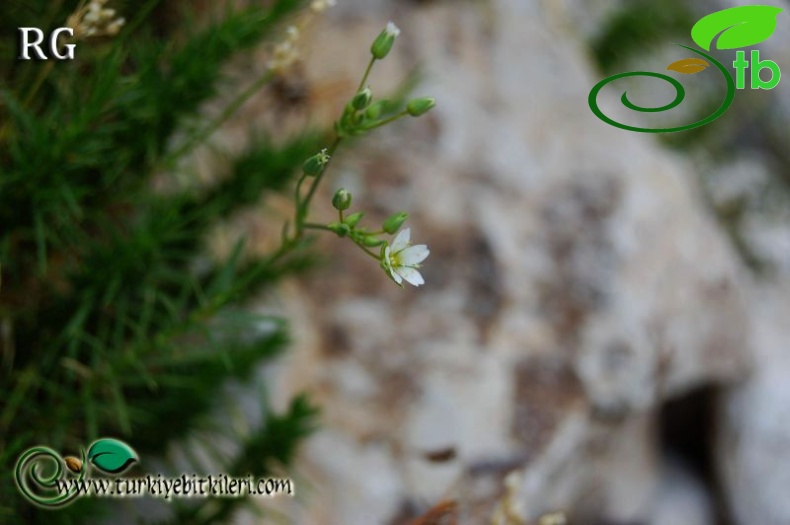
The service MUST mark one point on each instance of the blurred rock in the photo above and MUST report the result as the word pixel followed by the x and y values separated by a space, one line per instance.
pixel 681 498
pixel 755 421
pixel 575 280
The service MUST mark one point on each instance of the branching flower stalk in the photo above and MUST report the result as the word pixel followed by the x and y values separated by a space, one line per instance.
pixel 361 114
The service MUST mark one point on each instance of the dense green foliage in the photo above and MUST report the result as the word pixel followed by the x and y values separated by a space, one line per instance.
pixel 108 326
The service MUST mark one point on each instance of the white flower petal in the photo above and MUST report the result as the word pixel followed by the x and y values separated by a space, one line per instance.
pixel 411 275
pixel 395 276
pixel 392 29
pixel 401 240
pixel 414 255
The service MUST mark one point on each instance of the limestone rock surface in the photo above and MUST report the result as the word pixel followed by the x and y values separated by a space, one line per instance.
pixel 575 282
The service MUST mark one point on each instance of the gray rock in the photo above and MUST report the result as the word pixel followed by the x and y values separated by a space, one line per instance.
pixel 575 281
pixel 681 499
pixel 755 421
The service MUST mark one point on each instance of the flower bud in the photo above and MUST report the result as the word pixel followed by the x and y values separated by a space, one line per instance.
pixel 315 164
pixel 394 222
pixel 353 219
pixel 371 241
pixel 339 228
pixel 383 43
pixel 362 99
pixel 420 106
pixel 341 200
pixel 374 110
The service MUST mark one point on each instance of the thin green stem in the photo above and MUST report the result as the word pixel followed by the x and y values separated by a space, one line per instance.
pixel 305 205
pixel 298 200
pixel 366 250
pixel 386 121
pixel 366 75
pixel 140 15
pixel 314 226
pixel 202 134
pixel 285 247
pixel 42 75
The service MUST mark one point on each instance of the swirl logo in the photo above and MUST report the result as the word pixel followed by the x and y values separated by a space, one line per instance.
pixel 109 456
pixel 731 29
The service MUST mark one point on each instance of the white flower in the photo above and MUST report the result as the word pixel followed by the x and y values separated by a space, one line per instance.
pixel 401 259
pixel 286 53
pixel 93 19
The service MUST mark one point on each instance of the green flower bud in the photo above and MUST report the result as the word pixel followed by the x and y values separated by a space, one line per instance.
pixel 353 219
pixel 362 99
pixel 420 106
pixel 371 241
pixel 315 164
pixel 383 43
pixel 341 200
pixel 374 110
pixel 339 228
pixel 394 222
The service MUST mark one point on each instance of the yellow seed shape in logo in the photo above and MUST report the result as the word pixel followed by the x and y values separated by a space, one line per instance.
pixel 688 66
pixel 74 464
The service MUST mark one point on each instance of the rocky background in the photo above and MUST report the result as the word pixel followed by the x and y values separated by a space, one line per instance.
pixel 594 336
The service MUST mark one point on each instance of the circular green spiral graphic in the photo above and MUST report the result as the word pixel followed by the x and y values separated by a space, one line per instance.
pixel 680 94
pixel 31 483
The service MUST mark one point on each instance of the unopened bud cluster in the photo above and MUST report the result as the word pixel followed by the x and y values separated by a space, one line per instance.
pixel 356 118
pixel 348 225
pixel 362 113
pixel 94 19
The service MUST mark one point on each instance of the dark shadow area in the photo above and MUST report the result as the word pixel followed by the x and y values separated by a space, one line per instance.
pixel 687 425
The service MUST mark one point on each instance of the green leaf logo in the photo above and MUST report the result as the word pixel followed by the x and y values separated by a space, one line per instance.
pixel 111 456
pixel 738 26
